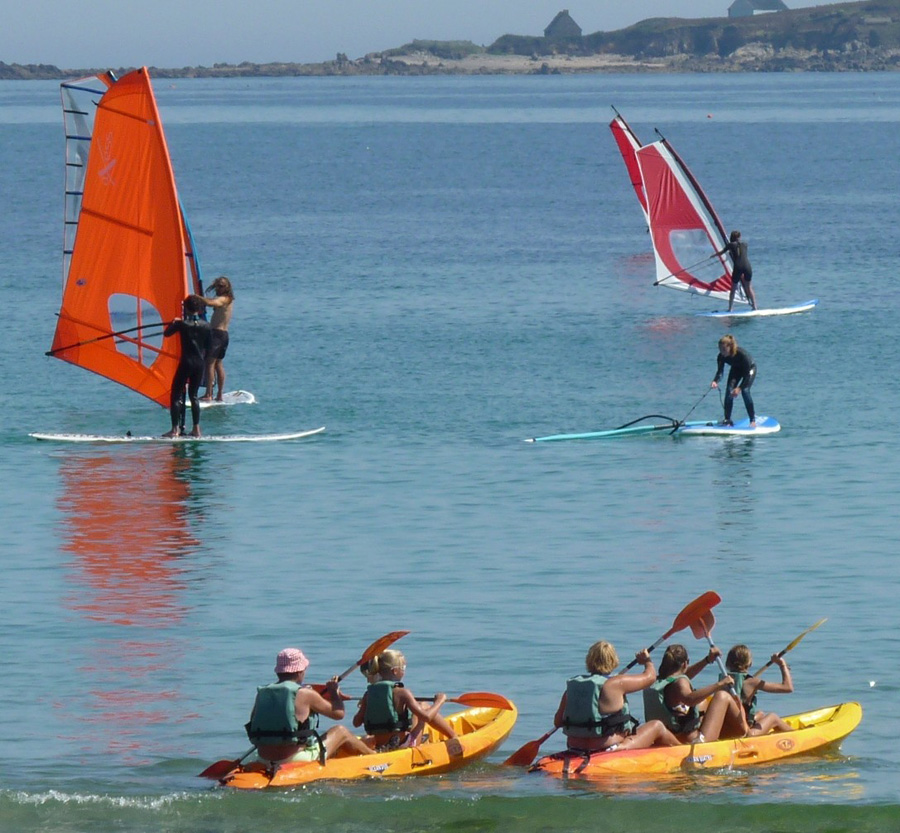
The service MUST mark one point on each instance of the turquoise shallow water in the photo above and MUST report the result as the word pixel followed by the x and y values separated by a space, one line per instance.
pixel 436 269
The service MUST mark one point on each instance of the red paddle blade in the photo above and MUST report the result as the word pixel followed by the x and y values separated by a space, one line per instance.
pixel 484 699
pixel 695 611
pixel 524 755
pixel 703 625
pixel 218 770
pixel 375 649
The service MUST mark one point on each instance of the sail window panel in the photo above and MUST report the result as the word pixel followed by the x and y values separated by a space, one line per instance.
pixel 127 312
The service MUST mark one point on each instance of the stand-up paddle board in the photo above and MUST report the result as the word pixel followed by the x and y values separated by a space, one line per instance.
pixel 233 397
pixel 211 438
pixel 760 313
pixel 741 428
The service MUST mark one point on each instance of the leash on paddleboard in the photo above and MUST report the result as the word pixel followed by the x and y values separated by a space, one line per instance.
pixel 682 422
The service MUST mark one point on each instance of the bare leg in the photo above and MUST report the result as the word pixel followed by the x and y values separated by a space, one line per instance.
pixel 653 733
pixel 767 723
pixel 220 379
pixel 723 716
pixel 340 737
pixel 210 381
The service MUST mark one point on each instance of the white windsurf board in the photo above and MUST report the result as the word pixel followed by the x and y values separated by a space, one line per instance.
pixel 806 306
pixel 233 397
pixel 210 438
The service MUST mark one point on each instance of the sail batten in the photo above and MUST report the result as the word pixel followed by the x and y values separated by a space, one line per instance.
pixel 125 240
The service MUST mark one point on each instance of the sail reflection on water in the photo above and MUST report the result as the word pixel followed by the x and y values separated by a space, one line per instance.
pixel 127 523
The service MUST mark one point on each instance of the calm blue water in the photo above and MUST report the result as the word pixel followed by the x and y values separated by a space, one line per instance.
pixel 436 269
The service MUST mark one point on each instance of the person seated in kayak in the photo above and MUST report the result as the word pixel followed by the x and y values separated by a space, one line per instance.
pixel 738 663
pixel 593 711
pixel 674 700
pixel 389 711
pixel 740 377
pixel 285 718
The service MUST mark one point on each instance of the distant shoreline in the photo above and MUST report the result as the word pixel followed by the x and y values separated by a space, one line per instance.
pixel 749 58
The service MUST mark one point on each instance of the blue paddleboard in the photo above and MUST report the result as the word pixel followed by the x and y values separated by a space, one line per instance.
pixel 741 428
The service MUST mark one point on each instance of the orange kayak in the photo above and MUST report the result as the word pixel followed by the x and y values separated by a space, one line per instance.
pixel 811 732
pixel 480 730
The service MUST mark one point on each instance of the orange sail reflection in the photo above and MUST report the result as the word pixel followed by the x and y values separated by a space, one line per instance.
pixel 126 517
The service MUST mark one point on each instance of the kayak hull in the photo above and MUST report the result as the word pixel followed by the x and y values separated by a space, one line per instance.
pixel 480 730
pixel 812 732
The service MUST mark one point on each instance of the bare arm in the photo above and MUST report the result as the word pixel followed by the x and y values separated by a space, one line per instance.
pixel 308 699
pixel 786 686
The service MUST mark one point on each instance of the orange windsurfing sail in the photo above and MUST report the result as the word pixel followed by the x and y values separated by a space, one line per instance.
pixel 128 259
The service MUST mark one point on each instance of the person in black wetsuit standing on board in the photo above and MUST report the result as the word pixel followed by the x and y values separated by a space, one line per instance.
pixel 740 377
pixel 741 271
pixel 195 338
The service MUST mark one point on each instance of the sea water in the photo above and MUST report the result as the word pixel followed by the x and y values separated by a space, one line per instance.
pixel 436 269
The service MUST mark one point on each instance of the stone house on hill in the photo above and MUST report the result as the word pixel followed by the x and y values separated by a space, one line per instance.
pixel 562 26
pixel 746 8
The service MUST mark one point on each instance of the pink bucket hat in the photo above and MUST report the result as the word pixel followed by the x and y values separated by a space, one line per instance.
pixel 290 661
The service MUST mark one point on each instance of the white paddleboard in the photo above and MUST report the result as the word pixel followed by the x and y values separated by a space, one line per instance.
pixel 211 438
pixel 760 313
pixel 741 428
pixel 233 397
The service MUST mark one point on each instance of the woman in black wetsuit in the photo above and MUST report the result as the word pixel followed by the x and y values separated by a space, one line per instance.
pixel 740 377
pixel 195 339
pixel 741 271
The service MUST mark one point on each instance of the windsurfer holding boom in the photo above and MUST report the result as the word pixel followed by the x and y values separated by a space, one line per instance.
pixel 741 270
pixel 195 340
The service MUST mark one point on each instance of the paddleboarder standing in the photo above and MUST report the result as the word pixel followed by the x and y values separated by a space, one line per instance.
pixel 740 377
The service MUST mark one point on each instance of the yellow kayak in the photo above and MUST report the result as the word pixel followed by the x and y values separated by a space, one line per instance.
pixel 480 729
pixel 811 732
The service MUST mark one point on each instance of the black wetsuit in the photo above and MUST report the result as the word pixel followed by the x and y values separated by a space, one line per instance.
pixel 741 268
pixel 195 341
pixel 741 375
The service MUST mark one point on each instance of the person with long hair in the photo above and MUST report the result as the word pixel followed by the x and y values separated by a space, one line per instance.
pixel 740 377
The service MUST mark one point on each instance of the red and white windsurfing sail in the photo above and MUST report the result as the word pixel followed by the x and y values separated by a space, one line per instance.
pixel 687 234
pixel 128 259
pixel 629 144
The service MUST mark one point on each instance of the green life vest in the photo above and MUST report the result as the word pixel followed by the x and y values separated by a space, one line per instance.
pixel 739 678
pixel 656 708
pixel 274 717
pixel 583 718
pixel 381 713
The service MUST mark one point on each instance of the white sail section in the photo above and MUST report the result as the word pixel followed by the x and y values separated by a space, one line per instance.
pixel 79 104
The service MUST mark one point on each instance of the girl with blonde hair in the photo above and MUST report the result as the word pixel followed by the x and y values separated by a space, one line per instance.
pixel 740 377
pixel 389 711
pixel 593 711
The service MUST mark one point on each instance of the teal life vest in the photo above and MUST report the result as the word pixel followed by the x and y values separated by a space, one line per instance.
pixel 656 708
pixel 740 678
pixel 274 717
pixel 381 713
pixel 583 718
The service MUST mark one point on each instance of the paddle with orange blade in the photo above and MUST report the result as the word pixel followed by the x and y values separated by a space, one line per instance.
pixel 792 645
pixel 371 652
pixel 221 768
pixel 703 627
pixel 692 612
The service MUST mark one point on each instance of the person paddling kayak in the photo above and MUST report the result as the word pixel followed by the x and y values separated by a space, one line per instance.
pixel 593 711
pixel 738 664
pixel 285 718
